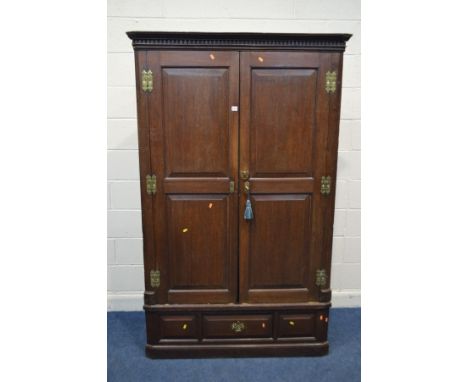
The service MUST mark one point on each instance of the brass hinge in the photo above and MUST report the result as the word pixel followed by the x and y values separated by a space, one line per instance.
pixel 330 82
pixel 155 278
pixel 147 81
pixel 321 277
pixel 325 185
pixel 231 186
pixel 151 187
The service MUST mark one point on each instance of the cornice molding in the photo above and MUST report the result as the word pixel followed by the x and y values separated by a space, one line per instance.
pixel 244 41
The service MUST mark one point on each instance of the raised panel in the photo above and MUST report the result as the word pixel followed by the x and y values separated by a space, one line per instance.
pixel 282 121
pixel 198 241
pixel 196 121
pixel 279 242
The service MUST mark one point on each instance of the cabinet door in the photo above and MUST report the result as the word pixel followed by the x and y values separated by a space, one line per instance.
pixel 283 137
pixel 194 154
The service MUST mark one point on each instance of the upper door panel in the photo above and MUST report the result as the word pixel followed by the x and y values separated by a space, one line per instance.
pixel 196 121
pixel 282 121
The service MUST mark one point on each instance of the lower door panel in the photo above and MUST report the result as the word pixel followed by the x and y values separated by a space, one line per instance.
pixel 277 241
pixel 202 264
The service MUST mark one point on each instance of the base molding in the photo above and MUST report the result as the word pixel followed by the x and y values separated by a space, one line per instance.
pixel 237 350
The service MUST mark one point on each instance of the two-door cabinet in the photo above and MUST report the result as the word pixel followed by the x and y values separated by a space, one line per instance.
pixel 238 136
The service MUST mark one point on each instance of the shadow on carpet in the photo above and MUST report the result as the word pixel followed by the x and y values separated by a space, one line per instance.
pixel 126 359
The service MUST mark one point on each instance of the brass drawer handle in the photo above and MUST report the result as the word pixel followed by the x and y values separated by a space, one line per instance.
pixel 184 327
pixel 292 323
pixel 238 326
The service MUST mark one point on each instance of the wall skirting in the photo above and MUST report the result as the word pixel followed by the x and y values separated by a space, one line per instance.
pixel 125 302
pixel 134 301
pixel 350 298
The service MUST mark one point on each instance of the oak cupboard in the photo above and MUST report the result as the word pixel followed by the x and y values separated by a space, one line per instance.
pixel 238 136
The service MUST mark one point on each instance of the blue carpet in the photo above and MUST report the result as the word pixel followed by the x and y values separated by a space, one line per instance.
pixel 126 359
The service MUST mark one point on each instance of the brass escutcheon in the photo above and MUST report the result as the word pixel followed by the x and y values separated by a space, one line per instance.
pixel 244 174
pixel 238 326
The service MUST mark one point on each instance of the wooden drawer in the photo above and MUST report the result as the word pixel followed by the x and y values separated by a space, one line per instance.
pixel 178 326
pixel 297 325
pixel 237 326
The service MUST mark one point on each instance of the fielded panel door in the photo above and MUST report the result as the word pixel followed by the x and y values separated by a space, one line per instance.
pixel 283 127
pixel 194 154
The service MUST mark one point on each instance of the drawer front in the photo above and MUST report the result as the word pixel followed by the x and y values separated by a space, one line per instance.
pixel 237 326
pixel 297 325
pixel 178 326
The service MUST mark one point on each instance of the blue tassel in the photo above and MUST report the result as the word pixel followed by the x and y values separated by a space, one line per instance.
pixel 248 213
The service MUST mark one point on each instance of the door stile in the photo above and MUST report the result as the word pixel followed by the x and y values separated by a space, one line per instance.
pixel 244 148
pixel 334 63
pixel 234 175
pixel 320 201
pixel 145 169
pixel 157 150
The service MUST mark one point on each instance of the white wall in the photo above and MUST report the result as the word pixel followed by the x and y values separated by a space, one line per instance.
pixel 125 248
